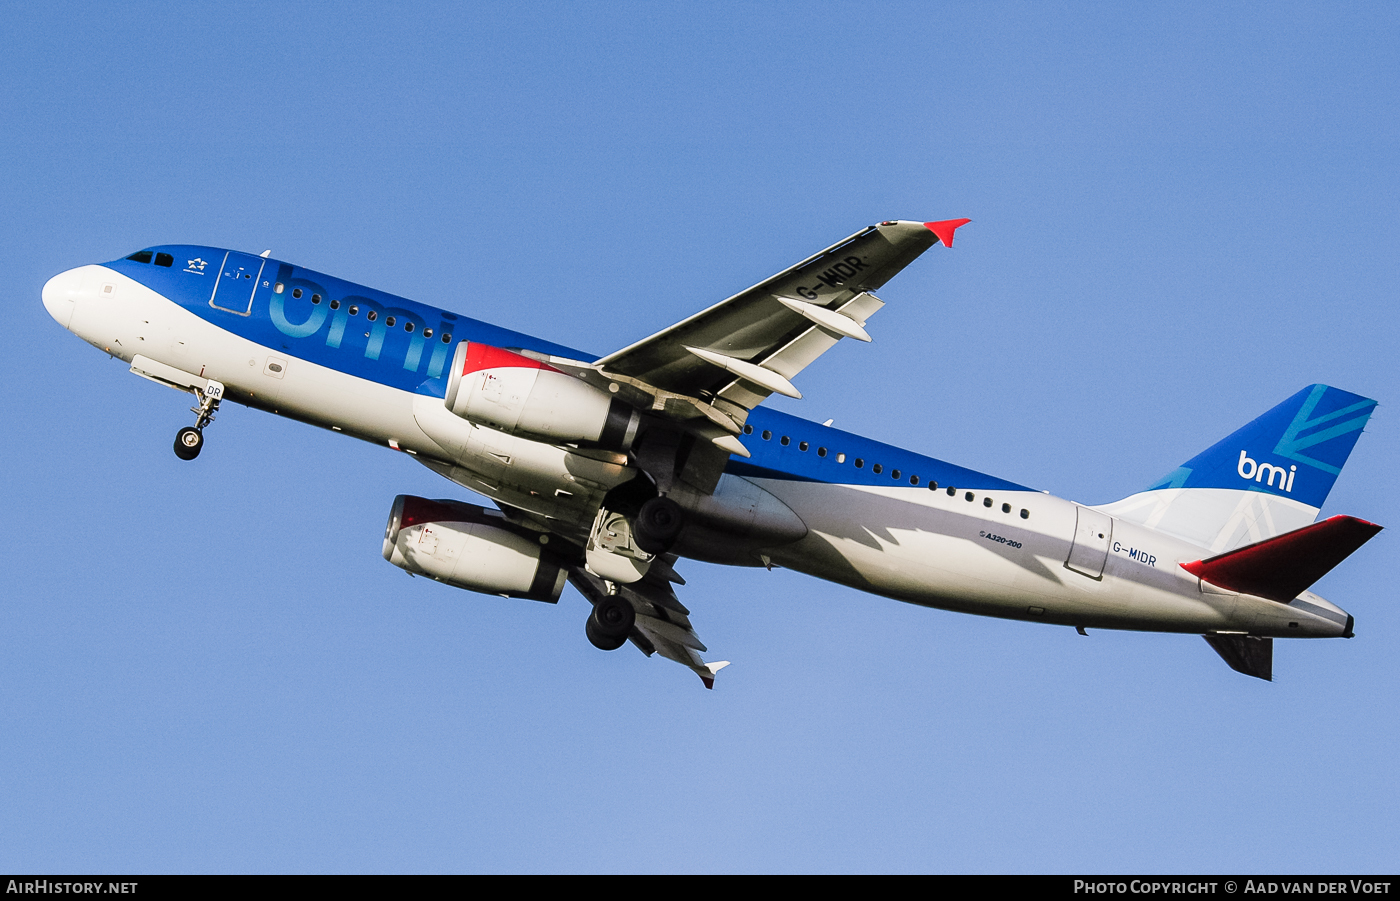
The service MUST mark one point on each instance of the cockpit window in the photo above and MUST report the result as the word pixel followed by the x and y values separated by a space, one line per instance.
pixel 164 259
pixel 142 256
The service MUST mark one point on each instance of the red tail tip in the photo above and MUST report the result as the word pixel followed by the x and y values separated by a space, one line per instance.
pixel 944 230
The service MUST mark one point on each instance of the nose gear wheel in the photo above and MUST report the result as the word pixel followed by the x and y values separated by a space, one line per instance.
pixel 188 443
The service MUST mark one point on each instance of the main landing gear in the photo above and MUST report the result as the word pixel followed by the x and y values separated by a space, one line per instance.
pixel 189 441
pixel 657 525
pixel 610 622
pixel 621 548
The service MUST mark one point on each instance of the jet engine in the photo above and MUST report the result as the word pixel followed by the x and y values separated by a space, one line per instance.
pixel 519 395
pixel 471 547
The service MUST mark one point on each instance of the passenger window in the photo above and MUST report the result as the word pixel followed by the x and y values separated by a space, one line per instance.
pixel 767 435
pixel 970 497
pixel 877 469
pixel 1006 508
pixel 952 492
pixel 296 292
pixel 986 502
pixel 895 475
pixel 408 326
pixel 447 338
pixel 933 486
pixel 821 452
pixel 389 321
pixel 427 333
pixel 277 288
pixel 354 310
pixel 802 446
pixel 164 259
pixel 335 305
pixel 840 458
pixel 913 480
pixel 859 463
pixel 1025 514
pixel 141 256
pixel 748 430
pixel 371 315
pixel 785 441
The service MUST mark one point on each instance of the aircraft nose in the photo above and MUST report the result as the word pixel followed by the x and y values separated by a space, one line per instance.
pixel 60 293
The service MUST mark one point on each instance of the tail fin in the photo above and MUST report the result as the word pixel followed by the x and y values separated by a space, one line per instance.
pixel 1267 478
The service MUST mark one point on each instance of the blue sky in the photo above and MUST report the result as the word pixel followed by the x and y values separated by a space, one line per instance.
pixel 1181 216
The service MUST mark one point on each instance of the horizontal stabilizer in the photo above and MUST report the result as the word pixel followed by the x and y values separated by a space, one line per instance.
pixel 1251 656
pixel 1283 567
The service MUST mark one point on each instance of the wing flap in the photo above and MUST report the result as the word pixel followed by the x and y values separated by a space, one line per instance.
pixel 803 350
pixel 663 623
pixel 757 327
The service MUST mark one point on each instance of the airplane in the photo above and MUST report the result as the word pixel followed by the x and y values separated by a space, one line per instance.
pixel 606 471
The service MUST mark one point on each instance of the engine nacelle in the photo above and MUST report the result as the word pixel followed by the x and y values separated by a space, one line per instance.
pixel 473 548
pixel 521 396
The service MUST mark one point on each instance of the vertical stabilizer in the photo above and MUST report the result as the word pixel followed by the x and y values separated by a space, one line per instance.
pixel 1265 479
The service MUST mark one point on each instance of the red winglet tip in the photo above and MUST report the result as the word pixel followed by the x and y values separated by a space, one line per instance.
pixel 944 230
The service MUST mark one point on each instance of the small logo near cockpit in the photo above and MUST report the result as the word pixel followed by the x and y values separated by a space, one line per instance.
pixel 196 266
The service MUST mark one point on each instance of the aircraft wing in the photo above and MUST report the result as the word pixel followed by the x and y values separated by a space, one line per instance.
pixel 750 346
pixel 663 624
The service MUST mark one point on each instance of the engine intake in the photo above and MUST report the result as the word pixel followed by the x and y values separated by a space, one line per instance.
pixel 471 547
pixel 522 396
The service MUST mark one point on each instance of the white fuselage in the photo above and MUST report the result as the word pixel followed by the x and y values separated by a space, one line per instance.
pixel 971 551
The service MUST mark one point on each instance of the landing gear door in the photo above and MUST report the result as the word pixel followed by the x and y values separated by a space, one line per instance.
pixel 240 277
pixel 1093 532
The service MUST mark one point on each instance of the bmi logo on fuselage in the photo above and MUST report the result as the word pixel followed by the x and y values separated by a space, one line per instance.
pixel 1264 473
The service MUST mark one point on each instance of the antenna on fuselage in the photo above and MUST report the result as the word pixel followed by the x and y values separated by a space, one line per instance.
pixel 266 253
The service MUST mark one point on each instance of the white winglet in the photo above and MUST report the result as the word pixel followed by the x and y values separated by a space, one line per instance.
pixel 712 668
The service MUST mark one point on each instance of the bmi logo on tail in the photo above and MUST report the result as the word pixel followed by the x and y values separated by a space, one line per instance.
pixel 1248 469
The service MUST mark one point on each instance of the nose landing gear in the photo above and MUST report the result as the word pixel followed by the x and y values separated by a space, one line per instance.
pixel 189 441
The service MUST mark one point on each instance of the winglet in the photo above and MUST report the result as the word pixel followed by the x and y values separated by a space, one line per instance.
pixel 944 230
pixel 711 668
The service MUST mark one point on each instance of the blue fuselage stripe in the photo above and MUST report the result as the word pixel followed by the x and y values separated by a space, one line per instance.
pixel 398 342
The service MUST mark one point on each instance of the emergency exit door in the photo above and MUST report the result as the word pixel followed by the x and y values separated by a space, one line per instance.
pixel 1093 532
